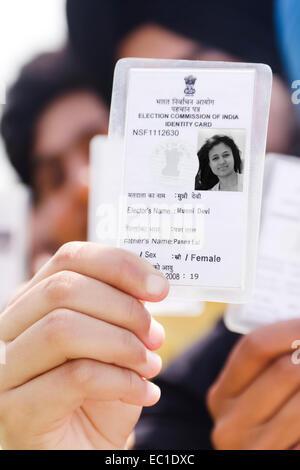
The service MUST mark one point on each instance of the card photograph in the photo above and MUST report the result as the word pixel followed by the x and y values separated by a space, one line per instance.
pixel 220 158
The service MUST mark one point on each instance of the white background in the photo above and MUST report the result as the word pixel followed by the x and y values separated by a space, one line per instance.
pixel 27 27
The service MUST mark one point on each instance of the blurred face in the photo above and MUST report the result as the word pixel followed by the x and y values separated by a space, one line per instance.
pixel 221 160
pixel 157 42
pixel 61 162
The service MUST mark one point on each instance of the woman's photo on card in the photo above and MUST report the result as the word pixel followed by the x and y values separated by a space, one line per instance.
pixel 220 158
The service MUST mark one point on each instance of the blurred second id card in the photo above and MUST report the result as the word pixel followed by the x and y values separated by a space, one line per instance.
pixel 187 171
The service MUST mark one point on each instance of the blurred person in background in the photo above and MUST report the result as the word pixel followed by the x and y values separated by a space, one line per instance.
pixel 239 412
pixel 202 30
pixel 51 115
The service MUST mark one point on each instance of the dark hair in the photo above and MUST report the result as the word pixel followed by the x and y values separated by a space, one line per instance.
pixel 205 178
pixel 40 81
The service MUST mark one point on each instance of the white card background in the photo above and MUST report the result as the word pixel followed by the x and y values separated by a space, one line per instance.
pixel 222 226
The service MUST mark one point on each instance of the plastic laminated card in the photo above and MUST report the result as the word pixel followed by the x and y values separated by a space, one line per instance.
pixel 179 180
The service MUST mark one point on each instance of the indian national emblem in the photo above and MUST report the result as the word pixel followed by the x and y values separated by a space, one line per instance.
pixel 190 82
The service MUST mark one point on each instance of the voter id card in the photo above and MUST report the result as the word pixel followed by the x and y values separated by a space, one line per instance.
pixel 185 171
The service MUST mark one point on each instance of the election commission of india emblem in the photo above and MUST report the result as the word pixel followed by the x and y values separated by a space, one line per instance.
pixel 189 85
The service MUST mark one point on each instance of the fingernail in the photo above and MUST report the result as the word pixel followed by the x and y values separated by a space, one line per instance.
pixel 152 393
pixel 156 285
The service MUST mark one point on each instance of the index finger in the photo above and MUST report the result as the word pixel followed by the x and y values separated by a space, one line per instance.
pixel 114 266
